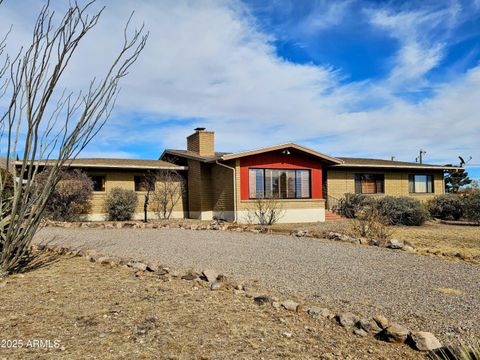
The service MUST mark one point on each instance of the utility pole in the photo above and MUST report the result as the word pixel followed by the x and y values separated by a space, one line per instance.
pixel 419 159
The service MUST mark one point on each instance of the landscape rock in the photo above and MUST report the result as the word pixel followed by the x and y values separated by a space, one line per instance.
pixel 370 326
pixel 381 321
pixel 138 266
pixel 275 304
pixel 161 272
pixel 189 277
pixel 290 305
pixel 261 229
pixel 262 300
pixel 323 312
pixel 210 275
pixel 424 341
pixel 153 267
pixel 395 244
pixel 216 285
pixel 347 319
pixel 360 332
pixel 238 292
pixel 394 333
pixel 408 248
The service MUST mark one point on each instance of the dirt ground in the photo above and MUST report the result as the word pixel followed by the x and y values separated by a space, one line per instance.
pixel 430 238
pixel 95 311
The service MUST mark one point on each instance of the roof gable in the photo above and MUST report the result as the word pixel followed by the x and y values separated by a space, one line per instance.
pixel 282 147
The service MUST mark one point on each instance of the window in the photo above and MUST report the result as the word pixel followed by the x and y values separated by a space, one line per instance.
pixel 144 183
pixel 279 183
pixel 420 183
pixel 369 183
pixel 98 183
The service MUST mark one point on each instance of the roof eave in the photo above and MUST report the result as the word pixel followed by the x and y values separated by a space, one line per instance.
pixel 110 166
pixel 432 167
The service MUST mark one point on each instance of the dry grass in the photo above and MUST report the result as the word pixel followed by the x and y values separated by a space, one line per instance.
pixel 450 291
pixel 108 313
pixel 461 241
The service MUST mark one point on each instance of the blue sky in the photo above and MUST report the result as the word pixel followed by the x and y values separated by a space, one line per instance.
pixel 348 78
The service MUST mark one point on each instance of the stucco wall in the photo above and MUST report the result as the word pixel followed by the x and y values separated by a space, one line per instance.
pixel 340 182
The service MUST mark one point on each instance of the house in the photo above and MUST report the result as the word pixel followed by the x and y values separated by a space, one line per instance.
pixel 304 182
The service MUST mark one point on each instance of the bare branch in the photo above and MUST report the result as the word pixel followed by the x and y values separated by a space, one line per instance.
pixel 39 126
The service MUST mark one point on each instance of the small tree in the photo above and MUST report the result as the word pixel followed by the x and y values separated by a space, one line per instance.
pixel 455 180
pixel 71 196
pixel 121 204
pixel 170 188
pixel 266 211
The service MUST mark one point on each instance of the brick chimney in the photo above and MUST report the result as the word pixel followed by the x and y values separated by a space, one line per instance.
pixel 202 142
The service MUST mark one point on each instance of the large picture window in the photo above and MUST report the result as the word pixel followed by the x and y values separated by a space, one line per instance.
pixel 369 183
pixel 420 183
pixel 279 183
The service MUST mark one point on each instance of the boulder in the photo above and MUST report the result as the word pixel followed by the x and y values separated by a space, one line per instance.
pixel 395 244
pixel 210 275
pixel 262 300
pixel 394 333
pixel 424 341
pixel 347 319
pixel 290 305
pixel 381 321
pixel 408 248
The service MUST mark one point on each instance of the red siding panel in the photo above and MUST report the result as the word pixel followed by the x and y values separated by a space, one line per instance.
pixel 277 160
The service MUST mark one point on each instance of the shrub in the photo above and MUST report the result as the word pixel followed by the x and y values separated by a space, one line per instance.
pixel 472 208
pixel 265 212
pixel 402 210
pixel 121 204
pixel 71 196
pixel 446 207
pixel 371 225
pixel 351 204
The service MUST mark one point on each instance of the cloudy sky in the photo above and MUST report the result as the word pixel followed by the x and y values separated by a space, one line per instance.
pixel 347 78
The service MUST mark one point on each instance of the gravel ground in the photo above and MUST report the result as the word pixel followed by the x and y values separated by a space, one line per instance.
pixel 344 277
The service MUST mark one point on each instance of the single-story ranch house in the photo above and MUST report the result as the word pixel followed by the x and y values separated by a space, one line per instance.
pixel 227 185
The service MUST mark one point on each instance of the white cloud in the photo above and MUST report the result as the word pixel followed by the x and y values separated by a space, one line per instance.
pixel 207 63
pixel 421 35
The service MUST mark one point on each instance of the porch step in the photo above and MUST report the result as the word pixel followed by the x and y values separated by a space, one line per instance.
pixel 331 216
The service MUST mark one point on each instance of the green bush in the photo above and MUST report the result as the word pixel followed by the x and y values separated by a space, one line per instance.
pixel 402 210
pixel 446 207
pixel 472 208
pixel 352 204
pixel 121 204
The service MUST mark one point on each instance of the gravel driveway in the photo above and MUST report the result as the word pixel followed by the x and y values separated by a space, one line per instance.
pixel 340 276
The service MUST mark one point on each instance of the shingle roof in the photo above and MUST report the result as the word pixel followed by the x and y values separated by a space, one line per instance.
pixel 381 163
pixel 118 163
pixel 192 155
